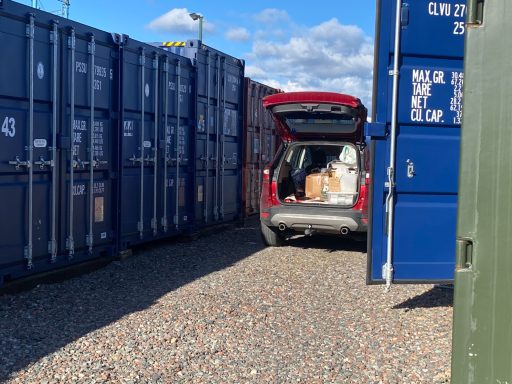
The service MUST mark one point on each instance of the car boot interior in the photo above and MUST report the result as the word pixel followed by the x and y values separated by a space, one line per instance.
pixel 327 174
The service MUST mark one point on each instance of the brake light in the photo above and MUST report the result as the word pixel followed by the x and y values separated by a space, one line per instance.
pixel 273 194
pixel 268 196
pixel 362 201
pixel 266 174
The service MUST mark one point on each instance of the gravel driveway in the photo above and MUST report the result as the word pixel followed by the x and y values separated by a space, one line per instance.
pixel 225 309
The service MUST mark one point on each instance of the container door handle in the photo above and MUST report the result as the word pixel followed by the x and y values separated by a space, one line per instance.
pixel 18 163
pixel 96 163
pixel 410 169
pixel 44 163
pixel 475 12
pixel 464 257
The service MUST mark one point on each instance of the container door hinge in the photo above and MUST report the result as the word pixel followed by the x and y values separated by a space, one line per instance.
pixel 89 240
pixel 464 253
pixel 71 42
pixel 70 247
pixel 52 250
pixel 27 253
pixel 54 38
pixel 29 31
pixel 91 47
pixel 387 270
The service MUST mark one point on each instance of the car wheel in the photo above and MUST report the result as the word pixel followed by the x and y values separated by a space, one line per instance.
pixel 271 236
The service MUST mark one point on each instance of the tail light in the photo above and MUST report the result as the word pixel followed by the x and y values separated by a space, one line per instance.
pixel 362 201
pixel 268 196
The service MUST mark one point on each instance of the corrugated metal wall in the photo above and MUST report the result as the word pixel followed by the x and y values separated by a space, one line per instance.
pixel 109 142
pixel 57 167
pixel 261 142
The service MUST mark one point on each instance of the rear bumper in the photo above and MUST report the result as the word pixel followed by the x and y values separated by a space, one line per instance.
pixel 328 221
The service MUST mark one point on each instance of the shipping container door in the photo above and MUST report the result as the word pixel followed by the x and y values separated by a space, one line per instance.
pixel 218 150
pixel 139 208
pixel 482 337
pixel 88 140
pixel 27 78
pixel 207 145
pixel 177 162
pixel 422 174
pixel 231 139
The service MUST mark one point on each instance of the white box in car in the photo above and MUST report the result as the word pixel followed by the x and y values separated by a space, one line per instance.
pixel 349 182
pixel 340 198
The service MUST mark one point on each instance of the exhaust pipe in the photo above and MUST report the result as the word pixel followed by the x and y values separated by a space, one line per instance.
pixel 282 226
pixel 344 231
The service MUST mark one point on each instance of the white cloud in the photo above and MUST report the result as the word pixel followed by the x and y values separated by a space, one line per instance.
pixel 327 57
pixel 253 71
pixel 177 20
pixel 271 15
pixel 238 34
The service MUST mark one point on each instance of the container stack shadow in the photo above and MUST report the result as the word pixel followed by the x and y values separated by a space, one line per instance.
pixel 39 322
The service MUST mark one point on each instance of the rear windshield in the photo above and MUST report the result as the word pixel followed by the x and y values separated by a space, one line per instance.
pixel 319 156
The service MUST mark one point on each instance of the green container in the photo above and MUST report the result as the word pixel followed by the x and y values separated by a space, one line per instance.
pixel 482 327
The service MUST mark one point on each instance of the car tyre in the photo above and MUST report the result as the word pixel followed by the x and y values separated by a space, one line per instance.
pixel 271 236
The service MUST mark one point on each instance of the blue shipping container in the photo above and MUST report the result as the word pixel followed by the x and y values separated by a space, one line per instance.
pixel 417 108
pixel 219 134
pixel 57 163
pixel 109 142
pixel 157 110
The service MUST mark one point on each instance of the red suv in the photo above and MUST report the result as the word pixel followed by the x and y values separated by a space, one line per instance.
pixel 318 180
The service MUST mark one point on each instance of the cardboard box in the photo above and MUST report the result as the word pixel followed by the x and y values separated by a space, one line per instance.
pixel 315 183
pixel 334 183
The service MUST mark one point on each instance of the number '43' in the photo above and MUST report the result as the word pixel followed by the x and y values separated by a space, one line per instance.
pixel 9 127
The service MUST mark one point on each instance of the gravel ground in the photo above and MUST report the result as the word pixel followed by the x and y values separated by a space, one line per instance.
pixel 225 309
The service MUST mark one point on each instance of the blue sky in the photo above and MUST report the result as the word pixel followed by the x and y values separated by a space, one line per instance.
pixel 293 45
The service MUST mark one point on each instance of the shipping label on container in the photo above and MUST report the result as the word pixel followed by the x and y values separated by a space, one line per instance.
pixel 434 95
pixel 128 128
pixel 98 139
pixel 184 89
pixel 201 126
pixel 181 138
pixel 233 82
pixel 99 188
pixel 80 189
pixel 230 122
pixel 79 137
pixel 433 27
pixel 200 194
pixel 99 210
pixel 181 141
pixel 40 143
pixel 103 77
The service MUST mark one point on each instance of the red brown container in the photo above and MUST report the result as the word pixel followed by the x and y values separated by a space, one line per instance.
pixel 261 142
